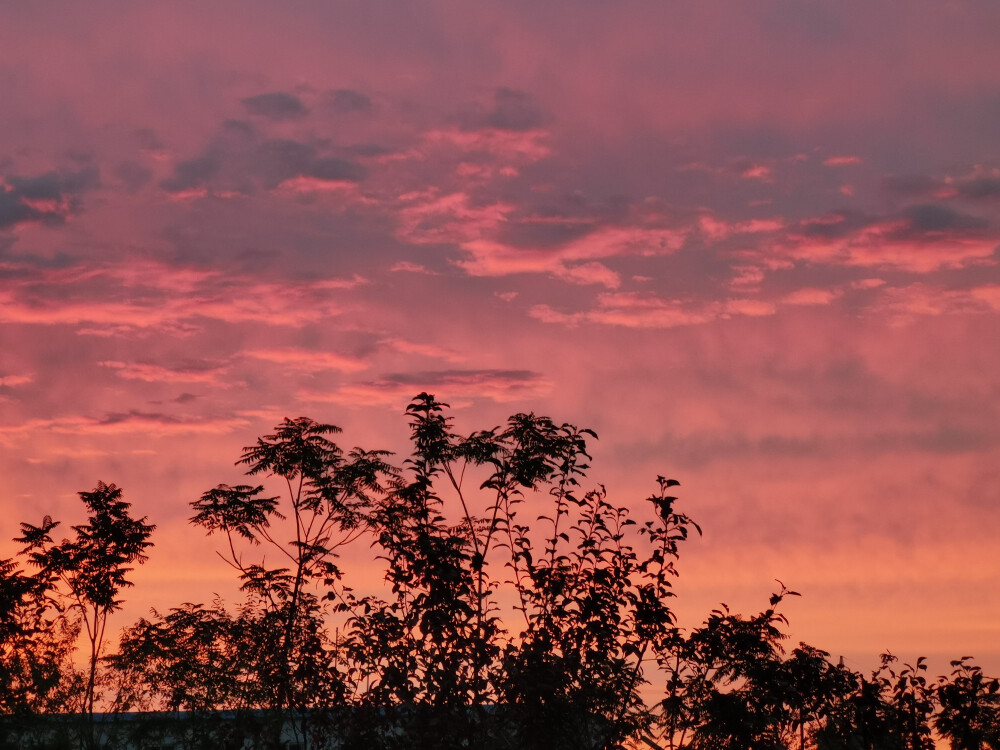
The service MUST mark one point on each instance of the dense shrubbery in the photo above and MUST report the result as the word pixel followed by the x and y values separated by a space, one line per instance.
pixel 521 612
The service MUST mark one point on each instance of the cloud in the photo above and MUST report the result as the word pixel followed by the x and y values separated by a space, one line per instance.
pixel 574 261
pixel 409 267
pixel 513 110
pixel 277 161
pixel 423 350
pixel 747 278
pixel 931 218
pixel 715 229
pixel 921 239
pixel 397 389
pixel 348 101
pixel 138 274
pixel 913 185
pixel 276 106
pixel 308 360
pixel 238 161
pixel 428 217
pixel 760 172
pixel 636 310
pixel 588 273
pixel 509 145
pixel 912 301
pixel 12 381
pixel 980 187
pixel 841 161
pixel 133 175
pixel 48 198
pixel 123 423
pixel 192 173
pixel 812 296
pixel 113 300
pixel 151 373
pixel 148 140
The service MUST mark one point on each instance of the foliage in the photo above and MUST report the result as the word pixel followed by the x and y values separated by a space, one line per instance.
pixel 36 644
pixel 969 713
pixel 519 610
pixel 89 571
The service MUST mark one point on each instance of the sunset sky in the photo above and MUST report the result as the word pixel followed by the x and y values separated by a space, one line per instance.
pixel 754 246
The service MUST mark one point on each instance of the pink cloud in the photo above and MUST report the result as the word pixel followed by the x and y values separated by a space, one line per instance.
pixel 159 374
pixel 429 217
pixel 133 422
pixel 495 385
pixel 988 293
pixel 841 161
pixel 718 229
pixel 308 360
pixel 305 184
pixel 59 452
pixel 634 310
pixel 408 267
pixel 812 296
pixel 589 273
pixel 747 278
pixel 184 196
pixel 754 308
pixel 12 381
pixel 867 283
pixel 757 172
pixel 892 244
pixel 355 281
pixel 490 258
pixel 230 300
pixel 524 145
pixel 153 275
pixel 612 241
pixel 918 300
pixel 423 350
pixel 483 172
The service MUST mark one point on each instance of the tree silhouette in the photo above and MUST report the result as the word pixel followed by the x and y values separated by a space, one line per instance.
pixel 36 645
pixel 327 497
pixel 519 609
pixel 969 714
pixel 90 570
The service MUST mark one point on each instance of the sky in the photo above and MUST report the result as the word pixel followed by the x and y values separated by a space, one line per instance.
pixel 754 246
